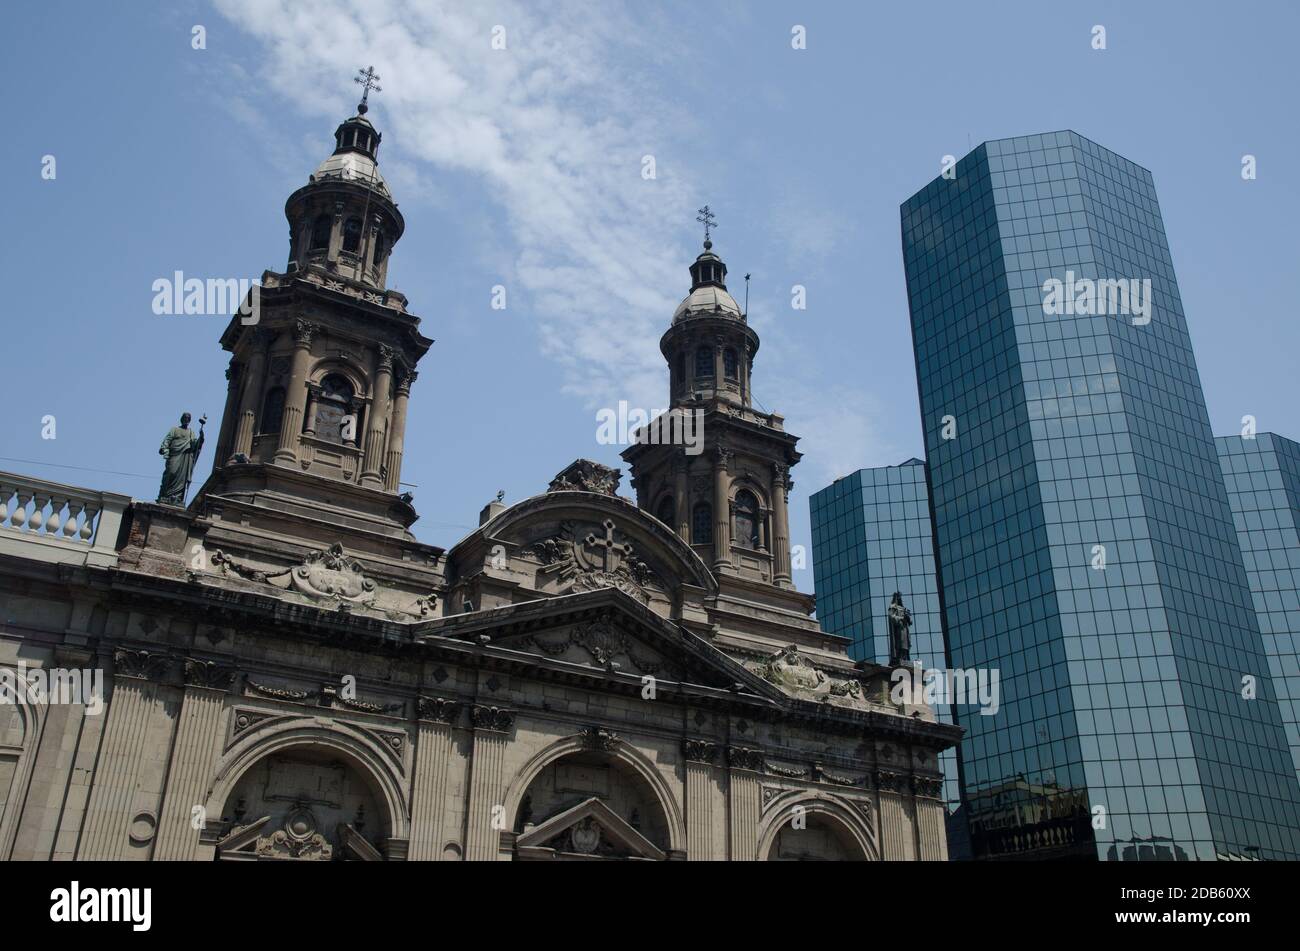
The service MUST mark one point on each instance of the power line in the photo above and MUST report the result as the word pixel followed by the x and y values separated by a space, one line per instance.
pixel 60 465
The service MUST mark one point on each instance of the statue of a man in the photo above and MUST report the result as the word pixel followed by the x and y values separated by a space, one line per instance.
pixel 900 631
pixel 180 448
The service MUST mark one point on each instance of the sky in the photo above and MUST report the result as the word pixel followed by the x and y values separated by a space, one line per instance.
pixel 523 167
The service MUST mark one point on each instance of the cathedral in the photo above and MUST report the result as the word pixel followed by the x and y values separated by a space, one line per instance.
pixel 280 671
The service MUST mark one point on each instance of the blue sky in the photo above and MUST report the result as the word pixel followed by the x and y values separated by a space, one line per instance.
pixel 522 167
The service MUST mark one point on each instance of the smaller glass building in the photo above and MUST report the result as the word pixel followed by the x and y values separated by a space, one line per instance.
pixel 1263 480
pixel 871 537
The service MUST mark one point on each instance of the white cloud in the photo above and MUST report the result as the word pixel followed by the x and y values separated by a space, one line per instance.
pixel 556 126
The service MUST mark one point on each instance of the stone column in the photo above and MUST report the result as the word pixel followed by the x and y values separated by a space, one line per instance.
pixel 721 510
pixel 295 397
pixel 699 756
pixel 368 263
pixel 135 698
pixel 44 800
pixel 198 737
pixel 931 830
pixel 746 366
pixel 259 340
pixel 717 366
pixel 229 421
pixel 744 795
pixel 309 420
pixel 374 445
pixel 897 839
pixel 681 498
pixel 487 819
pixel 336 234
pixel 397 441
pixel 429 782
pixel 780 525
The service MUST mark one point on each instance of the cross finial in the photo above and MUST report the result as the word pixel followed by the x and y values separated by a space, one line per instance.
pixel 706 217
pixel 368 79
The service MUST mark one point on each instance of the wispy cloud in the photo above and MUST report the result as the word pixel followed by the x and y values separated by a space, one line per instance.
pixel 556 126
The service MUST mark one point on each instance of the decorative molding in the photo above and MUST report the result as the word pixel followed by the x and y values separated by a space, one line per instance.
pixel 303 333
pixel 208 674
pixel 598 738
pixel 140 664
pixel 821 774
pixel 365 707
pixel 437 708
pixel 740 757
pixel 889 781
pixel 788 772
pixel 495 719
pixel 583 475
pixel 245 720
pixel 927 787
pixel 282 693
pixel 595 561
pixel 699 751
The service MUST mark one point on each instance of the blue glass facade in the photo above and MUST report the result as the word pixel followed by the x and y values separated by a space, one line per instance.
pixel 1083 534
pixel 871 537
pixel 1263 479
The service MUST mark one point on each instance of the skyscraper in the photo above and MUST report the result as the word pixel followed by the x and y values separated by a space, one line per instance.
pixel 1083 534
pixel 1263 478
pixel 871 537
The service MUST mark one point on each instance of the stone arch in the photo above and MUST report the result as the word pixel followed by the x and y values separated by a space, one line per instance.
pixel 354 374
pixel 854 830
pixel 32 724
pixel 621 753
pixel 361 752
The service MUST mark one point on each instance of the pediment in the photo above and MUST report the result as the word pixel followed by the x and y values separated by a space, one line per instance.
pixel 589 830
pixel 571 541
pixel 607 631
pixel 605 642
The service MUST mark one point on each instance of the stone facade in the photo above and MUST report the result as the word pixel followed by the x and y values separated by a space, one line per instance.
pixel 288 675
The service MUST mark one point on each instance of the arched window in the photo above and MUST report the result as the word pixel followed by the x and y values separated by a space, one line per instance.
pixel 352 234
pixel 730 368
pixel 702 524
pixel 320 233
pixel 703 363
pixel 681 370
pixel 746 530
pixel 379 248
pixel 332 407
pixel 667 512
pixel 272 410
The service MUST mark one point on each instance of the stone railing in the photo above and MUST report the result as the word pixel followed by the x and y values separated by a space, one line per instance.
pixel 50 521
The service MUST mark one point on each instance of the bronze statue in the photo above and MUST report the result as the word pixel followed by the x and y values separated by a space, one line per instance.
pixel 900 631
pixel 180 448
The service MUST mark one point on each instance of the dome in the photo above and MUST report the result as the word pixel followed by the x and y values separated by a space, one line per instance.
pixel 708 300
pixel 708 296
pixel 352 166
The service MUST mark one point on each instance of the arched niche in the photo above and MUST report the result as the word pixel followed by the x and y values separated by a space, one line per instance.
pixel 573 801
pixel 816 827
pixel 307 792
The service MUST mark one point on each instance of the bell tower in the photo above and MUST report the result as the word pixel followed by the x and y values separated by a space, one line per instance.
pixel 324 358
pixel 726 494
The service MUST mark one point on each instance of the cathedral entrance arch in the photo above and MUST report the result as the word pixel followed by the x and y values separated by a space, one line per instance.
pixel 574 802
pixel 816 830
pixel 306 794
